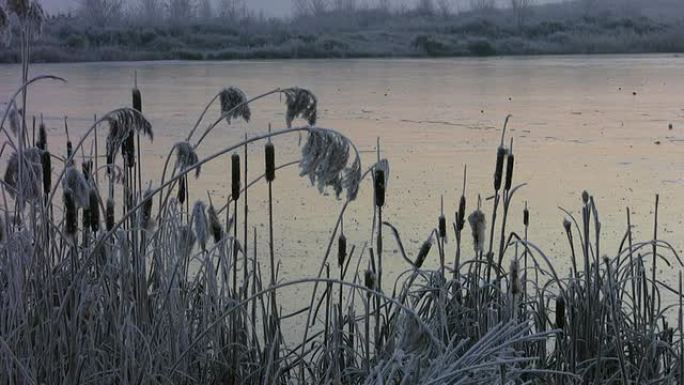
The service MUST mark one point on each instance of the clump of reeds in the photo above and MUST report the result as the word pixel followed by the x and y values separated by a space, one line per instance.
pixel 151 299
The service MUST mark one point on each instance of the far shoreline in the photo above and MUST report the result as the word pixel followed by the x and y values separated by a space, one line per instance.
pixel 673 54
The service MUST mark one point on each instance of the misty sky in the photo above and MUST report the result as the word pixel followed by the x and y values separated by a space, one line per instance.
pixel 269 7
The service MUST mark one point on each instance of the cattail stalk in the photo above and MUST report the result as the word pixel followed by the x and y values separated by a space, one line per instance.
pixel 269 160
pixel 655 258
pixel 235 195
pixel 94 211
pixel 70 215
pixel 441 230
pixel 245 220
pixel 459 217
pixel 109 215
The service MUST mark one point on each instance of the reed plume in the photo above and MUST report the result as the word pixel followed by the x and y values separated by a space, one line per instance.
pixel 200 221
pixel 325 158
pixel 234 104
pixel 301 103
pixel 186 157
pixel 75 182
pixel 214 224
pixel 14 119
pixel 122 123
pixel 31 175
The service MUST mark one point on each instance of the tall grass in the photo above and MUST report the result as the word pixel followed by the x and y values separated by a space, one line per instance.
pixel 174 293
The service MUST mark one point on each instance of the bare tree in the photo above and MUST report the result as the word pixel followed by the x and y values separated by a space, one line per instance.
pixel 232 9
pixel 300 7
pixel 345 5
pixel 425 7
pixel 444 7
pixel 101 12
pixel 180 10
pixel 384 5
pixel 206 12
pixel 151 10
pixel 318 7
pixel 482 5
pixel 521 9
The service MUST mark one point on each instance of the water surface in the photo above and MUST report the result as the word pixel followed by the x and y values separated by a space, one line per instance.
pixel 598 123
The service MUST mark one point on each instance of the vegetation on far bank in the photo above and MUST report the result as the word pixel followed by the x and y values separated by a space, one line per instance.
pixel 565 28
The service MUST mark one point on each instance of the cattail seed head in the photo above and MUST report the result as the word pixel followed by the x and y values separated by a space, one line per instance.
pixel 567 225
pixel 70 214
pixel 442 227
pixel 423 252
pixel 477 225
pixel 526 217
pixel 182 195
pixel 515 277
pixel 379 183
pixel 235 176
pixel 109 214
pixel 509 172
pixel 560 313
pixel 214 224
pixel 137 99
pixel 498 172
pixel 86 217
pixel 460 223
pixel 94 211
pixel 46 163
pixel 42 137
pixel 341 250
pixel 270 161
pixel 585 197
pixel 369 279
